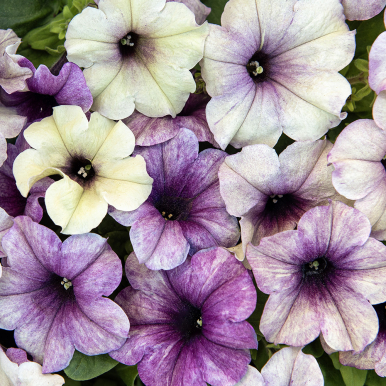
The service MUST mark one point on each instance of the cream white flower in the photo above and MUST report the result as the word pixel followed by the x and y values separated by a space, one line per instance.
pixel 93 159
pixel 137 54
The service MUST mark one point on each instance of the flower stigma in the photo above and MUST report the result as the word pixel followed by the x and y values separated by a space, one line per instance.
pixel 127 41
pixel 274 200
pixel 66 283
pixel 255 68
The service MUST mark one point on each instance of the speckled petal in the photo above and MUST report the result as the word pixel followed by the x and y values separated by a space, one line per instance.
pixel 362 9
pixel 251 378
pixel 377 59
pixel 6 223
pixel 290 366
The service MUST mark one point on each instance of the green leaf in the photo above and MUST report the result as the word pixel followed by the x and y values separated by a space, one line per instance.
pixel 352 376
pixel 374 380
pixel 24 15
pixel 217 10
pixel 108 224
pixel 314 348
pixel 367 32
pixel 254 319
pixel 83 367
pixel 332 377
pixel 335 360
pixel 262 356
pixel 282 143
pixel 117 241
pixel 105 382
pixel 128 374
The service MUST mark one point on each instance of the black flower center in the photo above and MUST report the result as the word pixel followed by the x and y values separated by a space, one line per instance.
pixel 128 44
pixel 189 321
pixel 317 267
pixel 383 161
pixel 258 67
pixel 81 169
pixel 174 208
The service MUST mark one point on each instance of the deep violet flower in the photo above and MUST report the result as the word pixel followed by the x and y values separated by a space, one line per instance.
pixel 45 91
pixel 92 156
pixel 269 192
pixel 272 67
pixel 17 370
pixel 288 367
pixel 322 278
pixel 184 212
pixel 138 57
pixel 358 157
pixel 377 77
pixel 188 324
pixel 374 355
pixel 362 9
pixel 52 294
pixel 10 198
pixel 151 131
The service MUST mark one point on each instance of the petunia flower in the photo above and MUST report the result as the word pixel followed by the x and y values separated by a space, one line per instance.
pixel 17 370
pixel 151 131
pixel 374 355
pixel 93 159
pixel 138 57
pixel 362 9
pixel 377 77
pixel 200 10
pixel 272 67
pixel 10 198
pixel 358 158
pixel 44 91
pixel 52 294
pixel 12 75
pixel 184 212
pixel 269 192
pixel 6 223
pixel 322 278
pixel 287 367
pixel 188 324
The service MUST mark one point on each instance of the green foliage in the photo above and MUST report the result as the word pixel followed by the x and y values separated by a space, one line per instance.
pixel 83 367
pixel 314 348
pixel 282 143
pixel 24 15
pixel 332 376
pixel 217 7
pixel 254 319
pixel 374 380
pixel 127 373
pixel 351 376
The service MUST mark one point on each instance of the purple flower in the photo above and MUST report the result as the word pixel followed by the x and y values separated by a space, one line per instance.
pixel 374 355
pixel 46 90
pixel 51 294
pixel 322 278
pixel 151 131
pixel 362 9
pixel 6 223
pixel 184 212
pixel 269 192
pixel 358 158
pixel 10 198
pixel 377 77
pixel 272 67
pixel 188 324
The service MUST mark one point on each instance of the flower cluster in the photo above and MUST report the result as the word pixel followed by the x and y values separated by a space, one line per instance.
pixel 111 158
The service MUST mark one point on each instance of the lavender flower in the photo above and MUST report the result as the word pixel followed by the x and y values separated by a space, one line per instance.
pixel 358 158
pixel 184 212
pixel 200 10
pixel 266 66
pixel 269 192
pixel 374 355
pixel 362 9
pixel 52 294
pixel 188 324
pixel 151 131
pixel 322 278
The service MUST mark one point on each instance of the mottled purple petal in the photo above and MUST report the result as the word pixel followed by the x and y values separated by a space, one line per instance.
pixel 362 9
